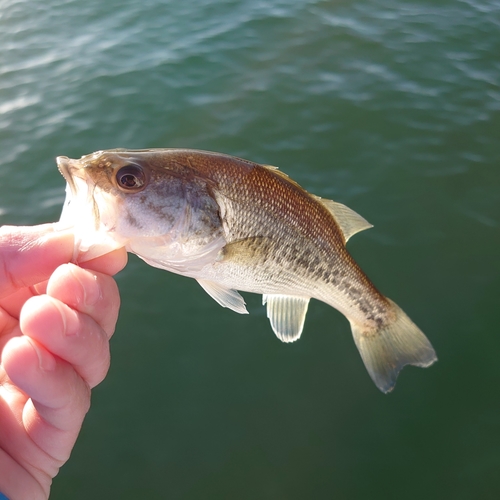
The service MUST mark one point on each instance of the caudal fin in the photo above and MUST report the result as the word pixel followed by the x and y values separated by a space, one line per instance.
pixel 385 351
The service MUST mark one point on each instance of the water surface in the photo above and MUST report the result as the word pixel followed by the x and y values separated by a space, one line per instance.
pixel 390 107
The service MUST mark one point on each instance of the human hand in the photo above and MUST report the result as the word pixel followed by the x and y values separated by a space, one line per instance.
pixel 55 323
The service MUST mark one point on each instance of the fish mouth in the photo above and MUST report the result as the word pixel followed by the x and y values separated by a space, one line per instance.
pixel 80 208
pixel 68 170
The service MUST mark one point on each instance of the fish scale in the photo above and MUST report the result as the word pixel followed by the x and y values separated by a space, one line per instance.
pixel 236 225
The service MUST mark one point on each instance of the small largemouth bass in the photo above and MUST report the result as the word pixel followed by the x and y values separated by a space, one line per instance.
pixel 236 225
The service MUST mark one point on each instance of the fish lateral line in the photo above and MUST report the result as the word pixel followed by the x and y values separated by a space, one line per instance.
pixel 233 224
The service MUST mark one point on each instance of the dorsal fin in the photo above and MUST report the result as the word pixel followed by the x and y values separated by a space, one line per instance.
pixel 271 167
pixel 349 221
pixel 279 173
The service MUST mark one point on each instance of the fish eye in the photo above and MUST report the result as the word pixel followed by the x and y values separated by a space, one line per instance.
pixel 131 178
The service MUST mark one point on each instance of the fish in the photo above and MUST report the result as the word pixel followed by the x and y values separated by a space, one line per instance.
pixel 234 225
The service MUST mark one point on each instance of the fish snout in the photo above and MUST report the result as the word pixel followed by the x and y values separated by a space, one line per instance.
pixel 70 169
pixel 65 167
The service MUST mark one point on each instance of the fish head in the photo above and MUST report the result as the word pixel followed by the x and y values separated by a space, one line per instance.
pixel 142 200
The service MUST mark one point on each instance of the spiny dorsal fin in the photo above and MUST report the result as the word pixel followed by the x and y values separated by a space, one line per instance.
pixel 279 173
pixel 349 221
pixel 287 315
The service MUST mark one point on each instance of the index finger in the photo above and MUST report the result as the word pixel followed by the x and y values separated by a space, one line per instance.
pixel 29 254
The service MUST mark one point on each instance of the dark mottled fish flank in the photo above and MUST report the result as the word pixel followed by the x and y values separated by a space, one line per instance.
pixel 236 225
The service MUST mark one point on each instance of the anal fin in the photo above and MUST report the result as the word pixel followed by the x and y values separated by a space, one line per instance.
pixel 226 297
pixel 287 315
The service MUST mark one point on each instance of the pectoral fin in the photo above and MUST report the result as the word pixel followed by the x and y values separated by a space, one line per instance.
pixel 287 315
pixel 226 297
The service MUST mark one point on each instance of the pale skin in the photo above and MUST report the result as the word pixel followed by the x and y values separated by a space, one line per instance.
pixel 56 320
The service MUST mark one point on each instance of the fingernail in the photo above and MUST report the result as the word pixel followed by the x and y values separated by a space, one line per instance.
pixel 91 290
pixel 70 324
pixel 46 360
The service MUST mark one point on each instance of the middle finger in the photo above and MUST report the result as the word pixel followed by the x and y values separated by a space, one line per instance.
pixel 71 335
pixel 87 291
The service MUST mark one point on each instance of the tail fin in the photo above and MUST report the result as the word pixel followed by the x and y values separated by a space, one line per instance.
pixel 385 351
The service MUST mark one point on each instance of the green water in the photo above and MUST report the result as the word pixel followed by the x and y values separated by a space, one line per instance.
pixel 389 107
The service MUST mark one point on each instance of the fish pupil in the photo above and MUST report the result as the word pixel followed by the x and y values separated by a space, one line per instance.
pixel 130 177
pixel 128 180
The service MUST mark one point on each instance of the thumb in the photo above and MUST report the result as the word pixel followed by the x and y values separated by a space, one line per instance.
pixel 29 254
